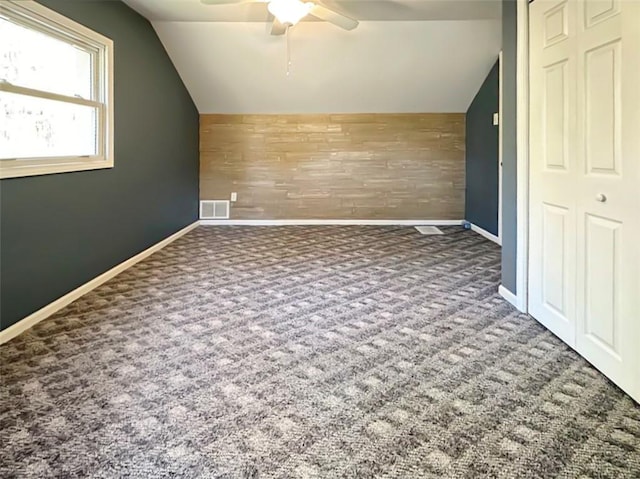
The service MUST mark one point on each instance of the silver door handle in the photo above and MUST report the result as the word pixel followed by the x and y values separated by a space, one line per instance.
pixel 601 198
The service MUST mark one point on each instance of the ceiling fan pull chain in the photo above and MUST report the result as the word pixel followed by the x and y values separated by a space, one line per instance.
pixel 288 50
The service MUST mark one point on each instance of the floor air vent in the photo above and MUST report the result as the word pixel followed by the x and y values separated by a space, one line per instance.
pixel 429 230
pixel 214 210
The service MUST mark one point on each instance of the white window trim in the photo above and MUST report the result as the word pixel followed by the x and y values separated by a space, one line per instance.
pixel 52 22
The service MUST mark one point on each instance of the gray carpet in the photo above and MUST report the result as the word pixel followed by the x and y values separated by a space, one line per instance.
pixel 308 352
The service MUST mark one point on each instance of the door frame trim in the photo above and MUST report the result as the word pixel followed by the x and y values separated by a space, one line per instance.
pixel 522 157
pixel 500 137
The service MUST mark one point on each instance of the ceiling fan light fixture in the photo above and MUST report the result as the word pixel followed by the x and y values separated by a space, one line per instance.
pixel 289 12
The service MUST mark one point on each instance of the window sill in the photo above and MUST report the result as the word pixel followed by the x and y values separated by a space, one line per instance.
pixel 22 168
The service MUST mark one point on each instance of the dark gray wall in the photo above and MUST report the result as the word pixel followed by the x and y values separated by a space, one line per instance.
pixel 59 231
pixel 481 200
pixel 509 172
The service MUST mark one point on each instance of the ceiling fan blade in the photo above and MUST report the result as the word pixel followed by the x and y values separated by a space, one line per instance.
pixel 229 2
pixel 278 28
pixel 328 15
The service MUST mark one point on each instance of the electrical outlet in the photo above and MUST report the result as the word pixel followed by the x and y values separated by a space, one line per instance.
pixel 234 196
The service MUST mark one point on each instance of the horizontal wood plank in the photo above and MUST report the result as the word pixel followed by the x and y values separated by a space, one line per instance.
pixel 356 166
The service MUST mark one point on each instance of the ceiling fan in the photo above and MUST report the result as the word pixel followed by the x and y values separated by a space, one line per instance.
pixel 288 13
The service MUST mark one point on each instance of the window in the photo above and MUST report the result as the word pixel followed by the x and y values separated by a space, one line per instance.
pixel 56 93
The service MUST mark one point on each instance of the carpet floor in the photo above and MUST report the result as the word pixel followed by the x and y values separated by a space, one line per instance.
pixel 308 352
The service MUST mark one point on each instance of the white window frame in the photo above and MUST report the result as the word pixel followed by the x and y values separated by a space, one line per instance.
pixel 44 20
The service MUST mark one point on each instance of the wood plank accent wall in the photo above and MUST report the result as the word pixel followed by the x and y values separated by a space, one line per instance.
pixel 355 166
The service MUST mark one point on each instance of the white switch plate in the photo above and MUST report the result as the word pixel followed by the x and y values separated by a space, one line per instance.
pixel 496 119
pixel 234 196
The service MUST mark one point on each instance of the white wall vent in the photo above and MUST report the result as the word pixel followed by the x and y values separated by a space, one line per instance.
pixel 214 210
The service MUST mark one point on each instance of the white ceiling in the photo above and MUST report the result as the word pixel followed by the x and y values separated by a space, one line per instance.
pixel 363 10
pixel 405 56
pixel 381 67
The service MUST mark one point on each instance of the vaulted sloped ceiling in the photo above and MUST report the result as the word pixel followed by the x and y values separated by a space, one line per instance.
pixel 382 66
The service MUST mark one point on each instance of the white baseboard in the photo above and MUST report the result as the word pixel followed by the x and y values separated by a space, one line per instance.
pixel 331 222
pixel 43 313
pixel 486 234
pixel 512 298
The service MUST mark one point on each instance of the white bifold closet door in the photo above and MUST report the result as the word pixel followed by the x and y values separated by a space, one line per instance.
pixel 584 271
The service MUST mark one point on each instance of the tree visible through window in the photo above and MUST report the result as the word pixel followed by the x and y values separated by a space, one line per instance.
pixel 55 100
